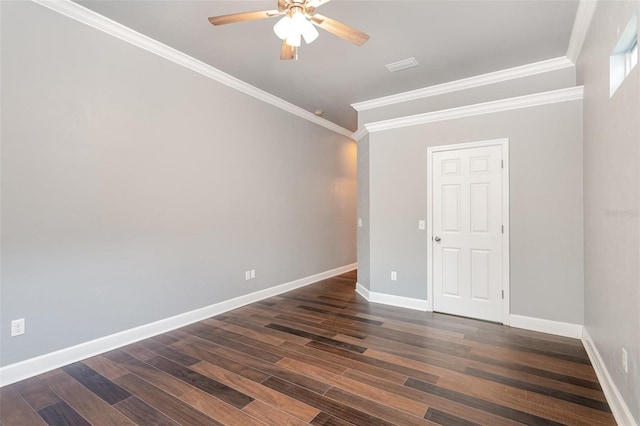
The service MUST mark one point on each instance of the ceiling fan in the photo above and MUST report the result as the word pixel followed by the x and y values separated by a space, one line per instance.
pixel 297 22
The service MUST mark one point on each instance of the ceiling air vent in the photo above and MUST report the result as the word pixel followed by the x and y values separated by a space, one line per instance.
pixel 402 65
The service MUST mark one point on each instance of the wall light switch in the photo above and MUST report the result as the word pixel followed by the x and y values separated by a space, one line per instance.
pixel 253 273
pixel 422 225
pixel 359 222
pixel 247 275
pixel 394 276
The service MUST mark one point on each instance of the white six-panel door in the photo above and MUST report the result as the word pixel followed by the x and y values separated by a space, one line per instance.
pixel 467 232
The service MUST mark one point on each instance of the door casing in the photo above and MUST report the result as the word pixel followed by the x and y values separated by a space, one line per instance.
pixel 504 143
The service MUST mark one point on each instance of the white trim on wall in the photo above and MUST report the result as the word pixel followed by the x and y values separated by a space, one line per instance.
pixel 557 328
pixel 95 20
pixel 468 83
pixel 619 407
pixel 537 99
pixel 362 291
pixel 584 15
pixel 506 256
pixel 392 300
pixel 359 134
pixel 540 325
pixel 23 370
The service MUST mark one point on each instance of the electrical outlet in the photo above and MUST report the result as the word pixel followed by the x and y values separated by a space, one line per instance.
pixel 625 361
pixel 253 273
pixel 394 276
pixel 17 327
pixel 247 275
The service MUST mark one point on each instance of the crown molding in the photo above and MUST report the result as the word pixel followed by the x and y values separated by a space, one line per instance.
pixel 468 83
pixel 551 97
pixel 88 17
pixel 584 15
pixel 359 134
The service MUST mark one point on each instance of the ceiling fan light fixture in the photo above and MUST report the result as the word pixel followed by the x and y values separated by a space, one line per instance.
pixel 293 28
pixel 283 27
pixel 294 39
pixel 309 32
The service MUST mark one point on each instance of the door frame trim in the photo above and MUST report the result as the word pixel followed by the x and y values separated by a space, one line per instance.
pixel 506 265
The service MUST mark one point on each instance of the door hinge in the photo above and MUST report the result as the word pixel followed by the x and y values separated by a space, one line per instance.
pixel 503 229
pixel 503 294
pixel 502 164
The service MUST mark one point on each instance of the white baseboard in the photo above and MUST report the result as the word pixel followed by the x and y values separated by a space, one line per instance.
pixel 619 408
pixel 558 328
pixel 362 291
pixel 31 367
pixel 389 299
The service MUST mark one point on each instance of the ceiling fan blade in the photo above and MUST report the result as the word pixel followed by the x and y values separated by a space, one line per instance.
pixel 287 52
pixel 245 16
pixel 282 5
pixel 341 30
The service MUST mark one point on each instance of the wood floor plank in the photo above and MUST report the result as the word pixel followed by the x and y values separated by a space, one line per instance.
pixel 445 419
pixel 323 355
pixel 341 315
pixel 323 403
pixel 430 400
pixel 37 393
pixel 60 414
pixel 169 352
pixel 349 363
pixel 364 358
pixel 106 367
pixel 142 413
pixel 510 413
pixel 218 409
pixel 530 350
pixel 15 410
pixel 277 371
pixel 333 326
pixel 318 338
pixel 218 337
pixel 372 393
pixel 551 408
pixel 324 419
pixel 258 335
pixel 227 363
pixel 89 405
pixel 561 383
pixel 96 383
pixel 543 390
pixel 271 415
pixel 179 411
pixel 136 350
pixel 258 327
pixel 273 398
pixel 309 360
pixel 202 382
pixel 158 378
pixel 376 409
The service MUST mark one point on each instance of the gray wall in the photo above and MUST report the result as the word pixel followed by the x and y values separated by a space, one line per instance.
pixel 553 80
pixel 134 189
pixel 545 212
pixel 363 212
pixel 612 182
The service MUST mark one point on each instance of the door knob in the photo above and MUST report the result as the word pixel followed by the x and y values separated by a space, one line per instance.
pixel 437 239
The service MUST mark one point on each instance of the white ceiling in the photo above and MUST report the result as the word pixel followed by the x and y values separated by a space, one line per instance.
pixel 451 39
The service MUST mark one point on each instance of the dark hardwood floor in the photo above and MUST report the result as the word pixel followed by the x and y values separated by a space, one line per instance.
pixel 322 355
